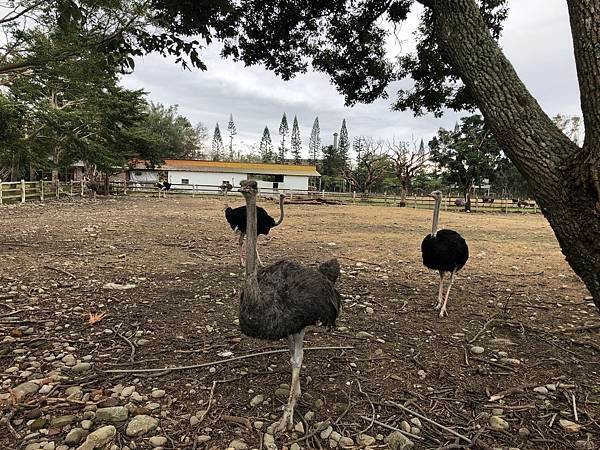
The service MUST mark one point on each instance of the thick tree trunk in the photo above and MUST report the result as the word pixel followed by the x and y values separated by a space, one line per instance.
pixel 561 175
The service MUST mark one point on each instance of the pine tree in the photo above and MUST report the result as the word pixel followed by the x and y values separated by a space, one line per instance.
pixel 283 131
pixel 296 142
pixel 232 132
pixel 266 146
pixel 344 145
pixel 217 144
pixel 314 145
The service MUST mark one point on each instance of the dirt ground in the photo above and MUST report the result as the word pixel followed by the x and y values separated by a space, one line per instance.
pixel 174 299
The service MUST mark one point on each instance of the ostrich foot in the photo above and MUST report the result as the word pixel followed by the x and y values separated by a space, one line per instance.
pixel 438 305
pixel 443 311
pixel 286 422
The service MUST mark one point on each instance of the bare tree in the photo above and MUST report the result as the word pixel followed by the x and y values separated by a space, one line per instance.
pixel 407 163
pixel 372 162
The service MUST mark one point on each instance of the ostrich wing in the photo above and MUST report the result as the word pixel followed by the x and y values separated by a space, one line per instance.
pixel 292 297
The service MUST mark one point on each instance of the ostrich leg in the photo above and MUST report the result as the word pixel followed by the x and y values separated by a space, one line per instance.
pixel 295 342
pixel 440 291
pixel 258 257
pixel 443 310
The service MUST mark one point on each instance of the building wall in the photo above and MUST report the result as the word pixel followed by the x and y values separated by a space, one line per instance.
pixel 217 178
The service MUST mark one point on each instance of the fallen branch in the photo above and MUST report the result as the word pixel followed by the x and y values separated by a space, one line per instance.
pixel 485 325
pixel 514 390
pixel 372 408
pixel 130 345
pixel 222 361
pixel 64 272
pixel 433 422
pixel 389 427
pixel 308 436
pixel 210 397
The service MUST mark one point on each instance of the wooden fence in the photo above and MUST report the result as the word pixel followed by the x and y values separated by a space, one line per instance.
pixel 40 190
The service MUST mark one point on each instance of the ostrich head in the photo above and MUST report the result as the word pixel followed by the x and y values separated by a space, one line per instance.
pixel 248 188
pixel 436 195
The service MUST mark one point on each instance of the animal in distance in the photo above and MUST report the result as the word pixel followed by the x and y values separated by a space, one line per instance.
pixel 279 301
pixel 445 251
pixel 236 217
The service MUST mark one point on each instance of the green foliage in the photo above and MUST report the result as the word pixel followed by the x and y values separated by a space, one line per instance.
pixel 344 144
pixel 296 142
pixel 467 154
pixel 232 132
pixel 314 144
pixel 283 131
pixel 217 144
pixel 332 163
pixel 266 147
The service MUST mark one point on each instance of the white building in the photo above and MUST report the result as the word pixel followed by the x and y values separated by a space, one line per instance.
pixel 187 173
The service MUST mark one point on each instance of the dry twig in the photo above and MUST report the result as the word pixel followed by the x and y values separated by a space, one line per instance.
pixel 389 427
pixel 57 269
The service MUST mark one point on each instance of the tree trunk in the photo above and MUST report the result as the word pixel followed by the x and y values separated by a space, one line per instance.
pixel 403 189
pixel 562 176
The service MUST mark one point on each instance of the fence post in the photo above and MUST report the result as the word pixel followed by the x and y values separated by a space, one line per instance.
pixel 41 190
pixel 71 188
pixel 1 189
pixel 323 194
pixel 81 181
pixel 22 191
pixel 193 190
pixel 353 196
pixel 385 197
pixel 415 204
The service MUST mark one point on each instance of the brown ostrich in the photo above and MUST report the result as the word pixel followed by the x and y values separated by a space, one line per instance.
pixel 280 300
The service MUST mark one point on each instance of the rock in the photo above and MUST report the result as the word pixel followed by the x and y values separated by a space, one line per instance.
pixel 541 390
pixel 45 389
pixel 335 436
pixel 108 402
pixel 397 441
pixel 257 400
pixel 476 350
pixel 119 287
pixel 59 422
pixel 498 424
pixel 366 440
pixel 369 310
pixel 127 391
pixel 319 403
pixel 25 389
pixel 238 445
pixel 309 416
pixel 281 392
pixel 74 436
pixel 299 427
pixel 569 427
pixel 416 422
pixel 194 421
pixel 512 361
pixel 140 425
pixel 259 424
pixel 364 335
pixel 326 432
pixel 86 424
pixel 69 360
pixel 157 441
pixel 38 424
pixel 49 446
pixel 551 387
pixel 99 438
pixel 33 413
pixel 72 390
pixel 34 446
pixel 158 393
pixel 295 446
pixel 523 433
pixel 112 414
pixel 81 367
pixel 136 397
pixel 346 442
pixel 203 438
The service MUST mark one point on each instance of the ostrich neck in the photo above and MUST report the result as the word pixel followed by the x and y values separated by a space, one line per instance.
pixel 436 217
pixel 280 211
pixel 251 235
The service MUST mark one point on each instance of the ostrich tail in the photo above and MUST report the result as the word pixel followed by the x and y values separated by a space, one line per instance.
pixel 331 270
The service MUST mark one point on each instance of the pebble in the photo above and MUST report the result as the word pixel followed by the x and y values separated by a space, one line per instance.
pixel 524 432
pixel 140 425
pixel 158 393
pixel 25 389
pixel 326 432
pixel 397 441
pixel 99 437
pixel 477 350
pixel 366 440
pixel 74 436
pixel 369 310
pixel 416 422
pixel 203 438
pixel 238 445
pixel 299 427
pixel 194 421
pixel 498 424
pixel 45 389
pixel 127 391
pixel 569 427
pixel 69 360
pixel 346 441
pixel 257 400
pixel 295 446
pixel 86 424
pixel 541 390
pixel 81 367
pixel 309 416
pixel 334 436
pixel 259 424
pixel 59 422
pixel 364 334
pixel 112 414
pixel 157 441
pixel 513 361
pixel 12 369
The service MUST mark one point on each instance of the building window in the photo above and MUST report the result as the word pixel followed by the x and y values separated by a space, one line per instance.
pixel 268 178
pixel 138 173
pixel 185 181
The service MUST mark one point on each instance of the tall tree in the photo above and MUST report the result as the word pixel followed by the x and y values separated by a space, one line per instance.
pixel 266 147
pixel 232 132
pixel 372 163
pixel 283 131
pixel 201 138
pixel 408 162
pixel 217 144
pixel 467 154
pixel 344 144
pixel 314 144
pixel 296 142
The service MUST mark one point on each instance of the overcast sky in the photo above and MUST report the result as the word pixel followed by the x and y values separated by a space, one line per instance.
pixel 536 39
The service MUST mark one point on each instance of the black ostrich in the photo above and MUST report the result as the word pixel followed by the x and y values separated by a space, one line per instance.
pixel 93 186
pixel 279 301
pixel 163 186
pixel 237 221
pixel 444 251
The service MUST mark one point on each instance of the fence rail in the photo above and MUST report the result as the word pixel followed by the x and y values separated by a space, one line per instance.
pixel 22 191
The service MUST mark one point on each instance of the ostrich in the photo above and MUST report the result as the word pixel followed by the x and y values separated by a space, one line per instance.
pixel 444 251
pixel 237 221
pixel 281 300
pixel 163 186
